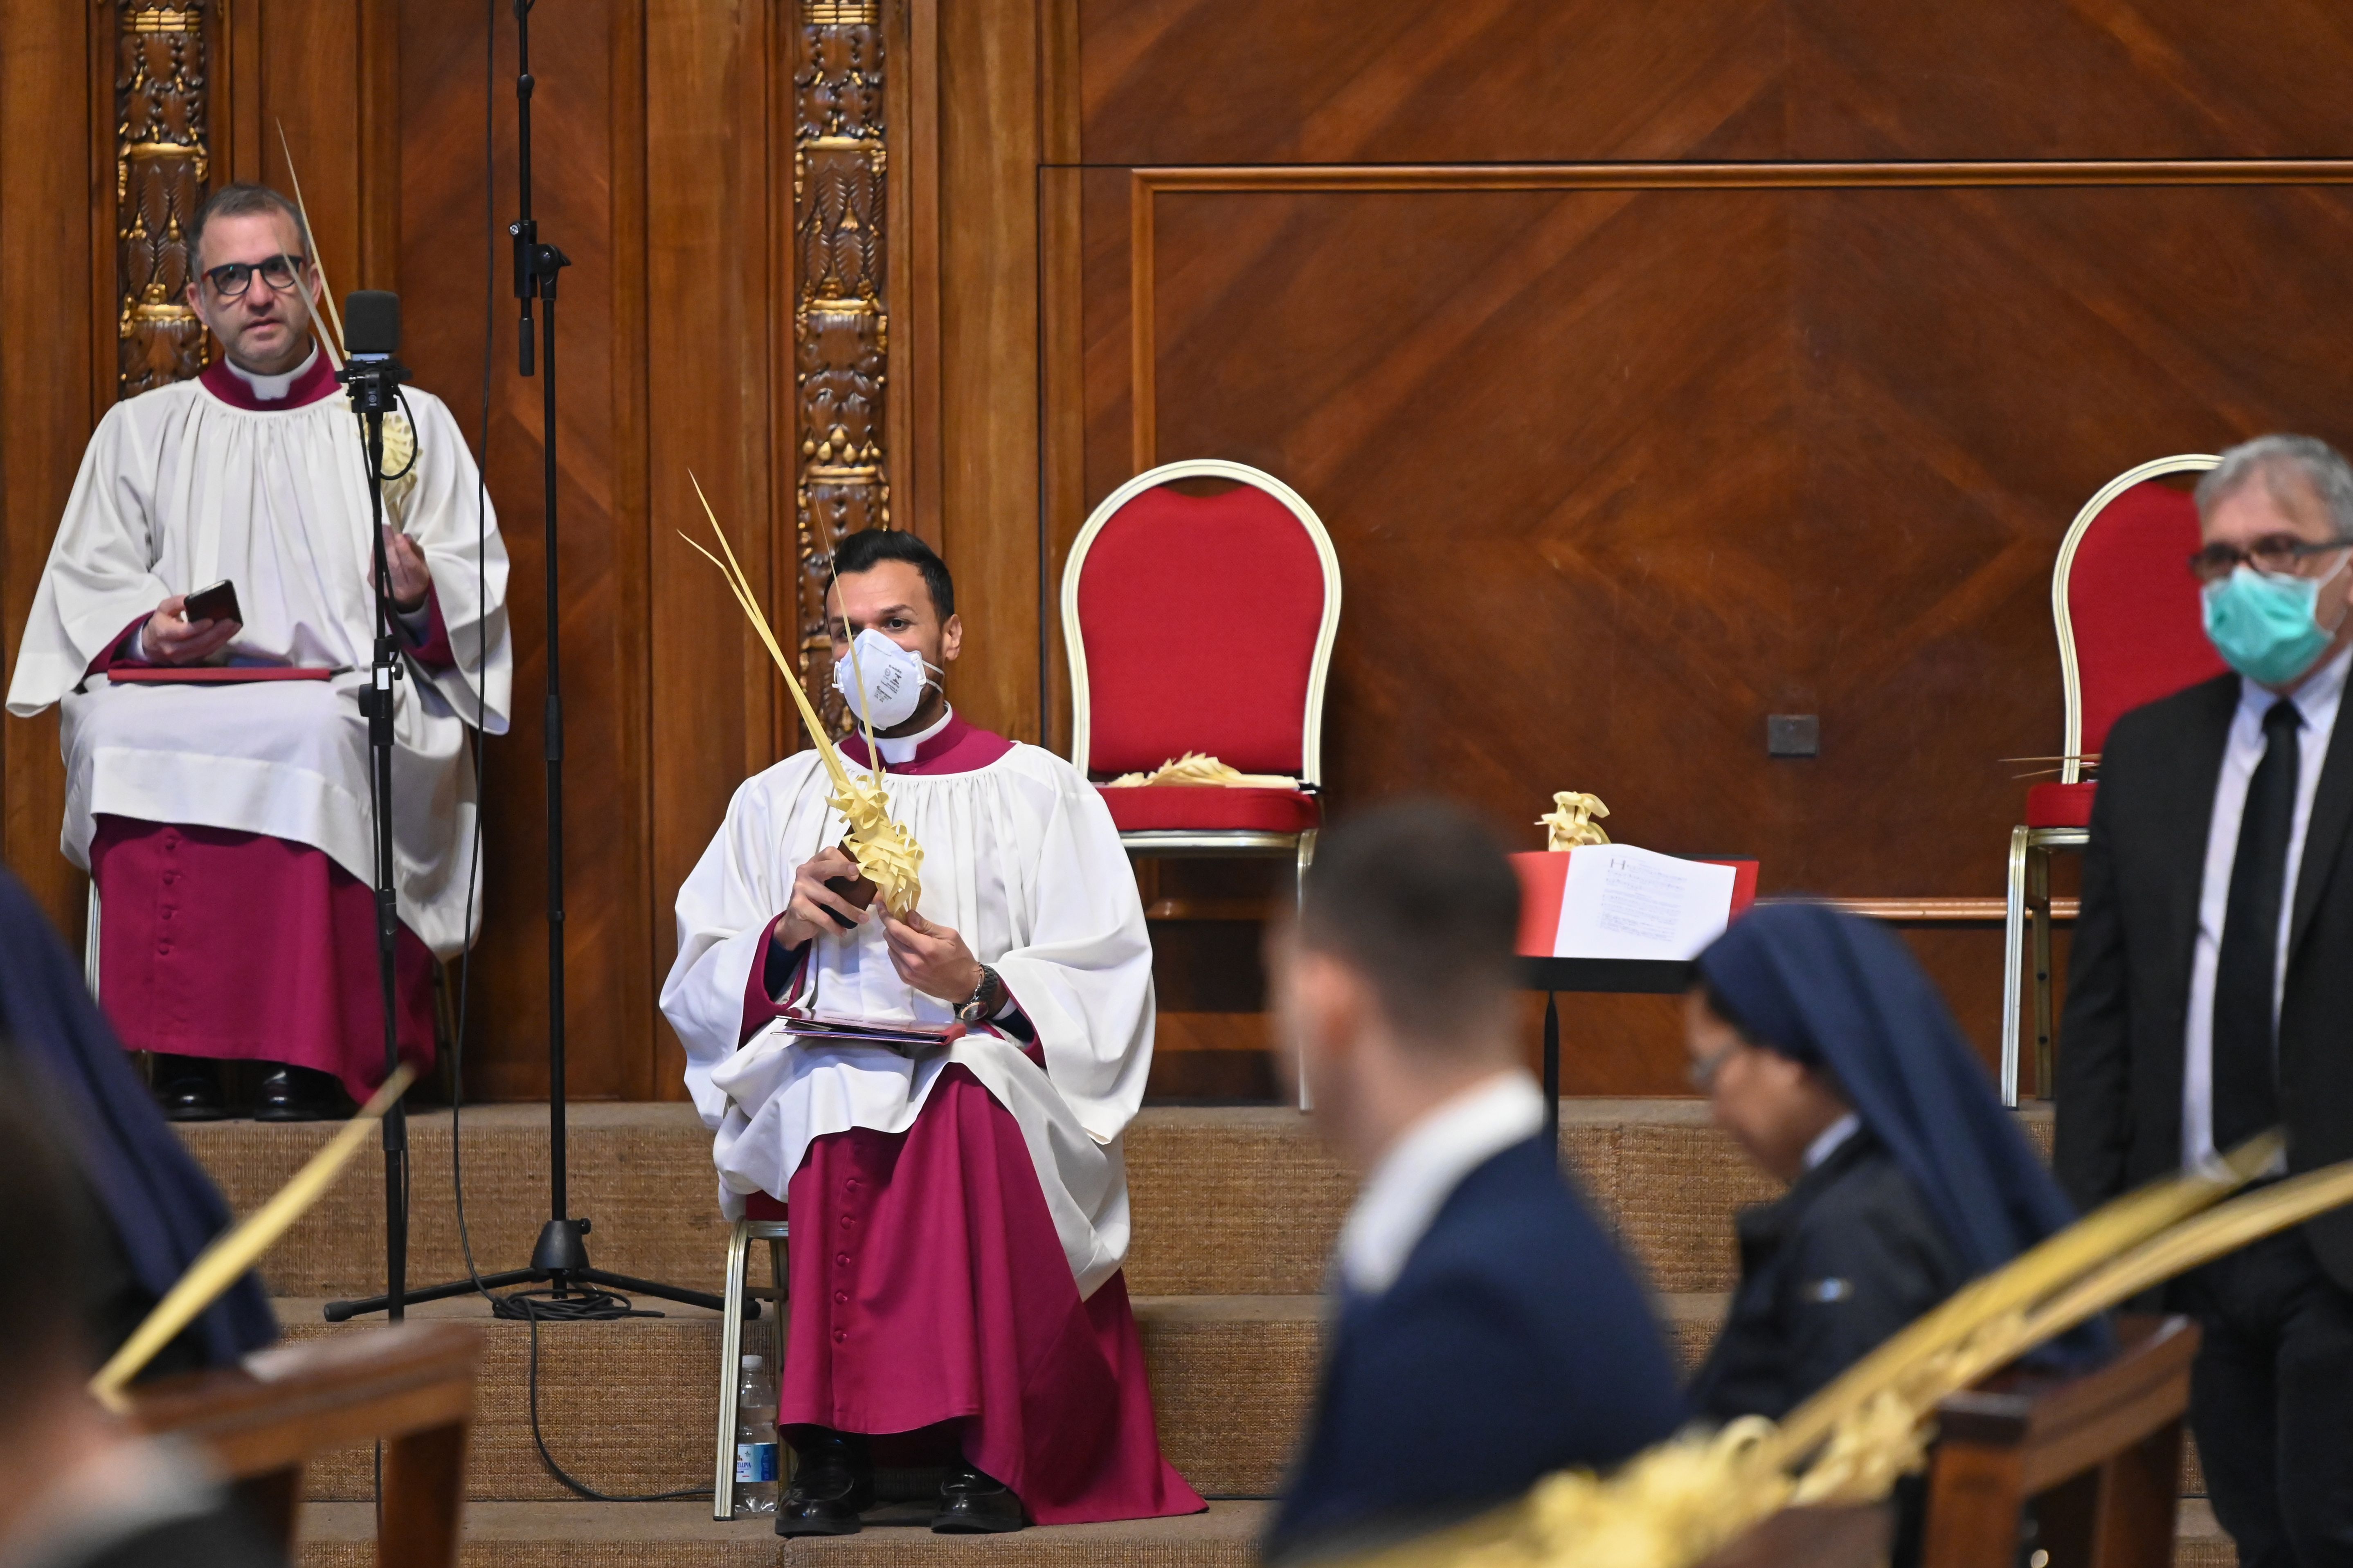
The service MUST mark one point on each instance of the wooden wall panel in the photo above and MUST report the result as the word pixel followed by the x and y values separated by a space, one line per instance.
pixel 1225 82
pixel 1681 459
pixel 713 300
pixel 458 283
pixel 48 370
pixel 1613 471
pixel 987 354
pixel 306 76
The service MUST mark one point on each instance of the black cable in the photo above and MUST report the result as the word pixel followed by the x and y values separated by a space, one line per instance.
pixel 578 1306
pixel 415 437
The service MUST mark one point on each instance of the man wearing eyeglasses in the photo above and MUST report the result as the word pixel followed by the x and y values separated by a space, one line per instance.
pixel 218 773
pixel 2211 991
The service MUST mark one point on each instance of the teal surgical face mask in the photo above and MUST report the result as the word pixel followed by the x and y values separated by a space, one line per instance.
pixel 2262 623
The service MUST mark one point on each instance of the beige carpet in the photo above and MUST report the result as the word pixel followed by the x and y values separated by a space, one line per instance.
pixel 683 1535
pixel 1235 1213
pixel 1226 1202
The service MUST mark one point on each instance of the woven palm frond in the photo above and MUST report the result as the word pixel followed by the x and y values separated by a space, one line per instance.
pixel 886 853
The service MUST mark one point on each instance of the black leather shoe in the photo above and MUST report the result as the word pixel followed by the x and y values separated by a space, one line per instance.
pixel 188 1089
pixel 972 1503
pixel 299 1094
pixel 833 1483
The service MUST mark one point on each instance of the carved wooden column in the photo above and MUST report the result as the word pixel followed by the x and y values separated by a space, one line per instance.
pixel 162 160
pixel 841 317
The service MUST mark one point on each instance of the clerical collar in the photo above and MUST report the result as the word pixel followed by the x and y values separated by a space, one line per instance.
pixel 950 746
pixel 900 749
pixel 299 388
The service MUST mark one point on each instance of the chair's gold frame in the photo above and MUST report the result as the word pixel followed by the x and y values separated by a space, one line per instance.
pixel 2030 847
pixel 1215 843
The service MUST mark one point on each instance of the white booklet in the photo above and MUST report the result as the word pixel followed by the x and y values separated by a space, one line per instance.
pixel 1623 902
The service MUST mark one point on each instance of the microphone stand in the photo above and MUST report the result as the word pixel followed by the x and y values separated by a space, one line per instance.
pixel 561 1257
pixel 372 383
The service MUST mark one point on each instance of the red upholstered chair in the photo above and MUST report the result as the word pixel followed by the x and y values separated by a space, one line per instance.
pixel 2130 632
pixel 1203 624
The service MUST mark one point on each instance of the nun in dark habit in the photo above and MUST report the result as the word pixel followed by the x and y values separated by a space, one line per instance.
pixel 148 1207
pixel 1832 1061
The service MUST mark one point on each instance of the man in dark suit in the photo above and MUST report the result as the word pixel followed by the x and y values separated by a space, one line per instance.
pixel 2210 993
pixel 1487 1332
pixel 79 1488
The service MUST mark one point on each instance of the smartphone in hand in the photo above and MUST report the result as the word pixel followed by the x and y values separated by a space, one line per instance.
pixel 217 603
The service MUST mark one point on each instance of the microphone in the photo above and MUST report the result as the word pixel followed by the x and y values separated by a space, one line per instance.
pixel 372 335
pixel 372 324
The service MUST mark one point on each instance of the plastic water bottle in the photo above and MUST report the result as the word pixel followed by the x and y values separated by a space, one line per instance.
pixel 755 1439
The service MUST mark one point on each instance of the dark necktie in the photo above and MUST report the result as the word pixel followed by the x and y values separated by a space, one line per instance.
pixel 2246 1099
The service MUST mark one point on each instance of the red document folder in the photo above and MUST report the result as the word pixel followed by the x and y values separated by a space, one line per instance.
pixel 1545 873
pixel 210 674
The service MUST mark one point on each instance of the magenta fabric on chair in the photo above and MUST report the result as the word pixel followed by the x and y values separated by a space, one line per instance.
pixel 1200 615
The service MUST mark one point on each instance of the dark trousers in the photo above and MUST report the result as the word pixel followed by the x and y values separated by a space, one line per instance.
pixel 2271 1399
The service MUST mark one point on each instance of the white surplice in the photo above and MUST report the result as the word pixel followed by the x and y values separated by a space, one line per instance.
pixel 178 490
pixel 1021 859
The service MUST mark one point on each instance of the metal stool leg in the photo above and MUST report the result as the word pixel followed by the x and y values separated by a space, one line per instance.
pixel 730 1366
pixel 2013 954
pixel 1306 859
pixel 90 941
pixel 778 1264
pixel 2038 908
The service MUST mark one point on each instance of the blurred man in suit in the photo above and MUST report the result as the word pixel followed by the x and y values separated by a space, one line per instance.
pixel 2211 991
pixel 1487 1330
pixel 79 1488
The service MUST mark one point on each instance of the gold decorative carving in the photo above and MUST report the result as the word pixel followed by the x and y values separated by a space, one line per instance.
pixel 162 161
pixel 840 318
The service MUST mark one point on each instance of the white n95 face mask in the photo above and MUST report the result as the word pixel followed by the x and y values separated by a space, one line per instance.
pixel 881 682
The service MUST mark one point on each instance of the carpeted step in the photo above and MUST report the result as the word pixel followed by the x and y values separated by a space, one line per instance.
pixel 684 1536
pixel 1230 1201
pixel 640 1172
pixel 630 1406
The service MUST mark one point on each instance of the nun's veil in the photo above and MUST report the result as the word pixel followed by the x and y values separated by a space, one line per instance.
pixel 1835 990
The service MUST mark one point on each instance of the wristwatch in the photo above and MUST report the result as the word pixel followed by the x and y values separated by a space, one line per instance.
pixel 983 999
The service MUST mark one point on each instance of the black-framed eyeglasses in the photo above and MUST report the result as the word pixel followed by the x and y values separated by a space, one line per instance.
pixel 2276 553
pixel 1702 1073
pixel 232 278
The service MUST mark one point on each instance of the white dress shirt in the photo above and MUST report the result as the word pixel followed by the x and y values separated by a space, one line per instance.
pixel 1422 1169
pixel 1832 1138
pixel 2316 700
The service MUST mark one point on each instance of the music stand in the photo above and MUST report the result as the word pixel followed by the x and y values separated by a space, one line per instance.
pixel 1607 976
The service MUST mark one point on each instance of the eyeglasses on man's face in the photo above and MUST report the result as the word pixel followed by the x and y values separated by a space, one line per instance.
pixel 231 279
pixel 2278 554
pixel 1704 1071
